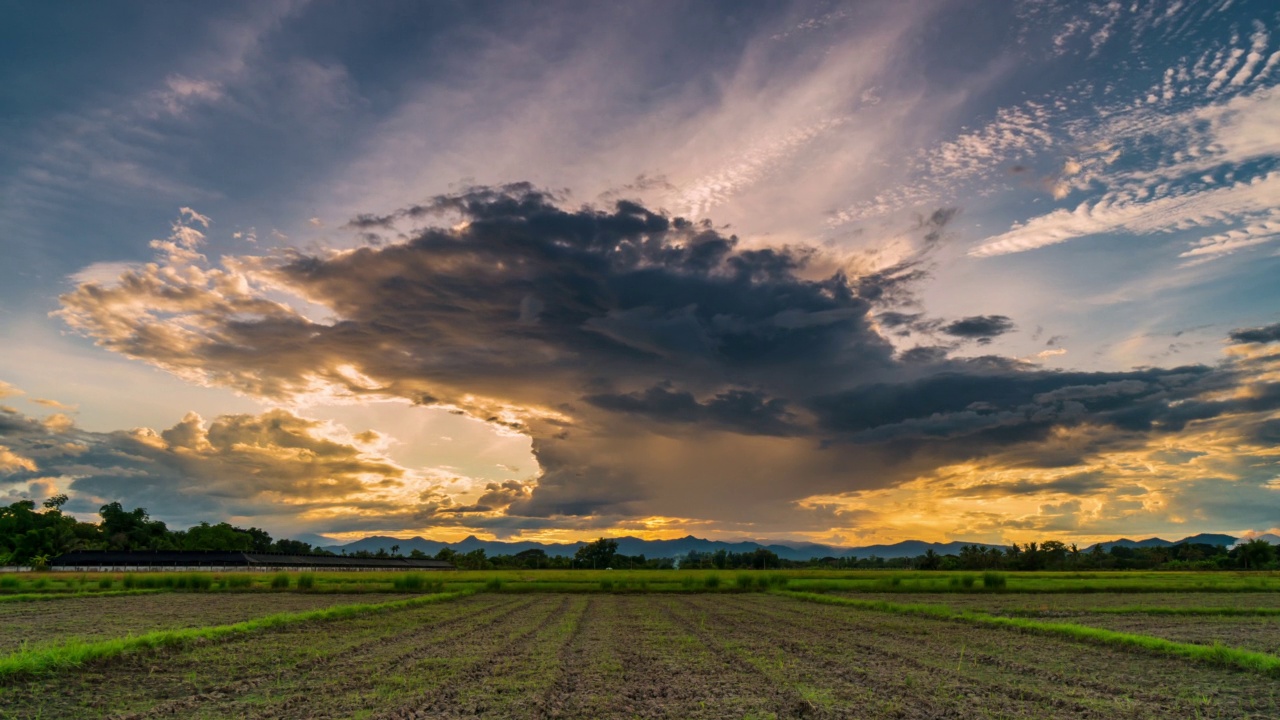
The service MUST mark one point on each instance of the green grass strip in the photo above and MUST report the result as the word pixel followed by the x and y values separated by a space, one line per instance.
pixel 1215 654
pixel 78 652
pixel 1150 610
pixel 38 597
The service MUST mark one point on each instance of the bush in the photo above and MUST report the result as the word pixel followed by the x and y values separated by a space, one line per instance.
pixel 105 584
pixel 280 581
pixel 410 581
pixel 237 581
pixel 994 581
pixel 306 581
pixel 711 582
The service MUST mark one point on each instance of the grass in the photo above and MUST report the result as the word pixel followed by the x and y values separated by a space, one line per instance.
pixel 1153 610
pixel 40 597
pixel 75 652
pixel 1216 654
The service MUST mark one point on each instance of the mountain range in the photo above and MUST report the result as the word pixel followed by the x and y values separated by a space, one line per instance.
pixel 682 546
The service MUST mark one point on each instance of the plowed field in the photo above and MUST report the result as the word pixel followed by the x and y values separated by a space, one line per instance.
pixel 606 655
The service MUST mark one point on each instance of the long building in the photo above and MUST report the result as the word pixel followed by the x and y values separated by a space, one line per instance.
pixel 123 560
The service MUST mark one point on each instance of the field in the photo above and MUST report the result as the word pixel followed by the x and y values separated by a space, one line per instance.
pixel 689 644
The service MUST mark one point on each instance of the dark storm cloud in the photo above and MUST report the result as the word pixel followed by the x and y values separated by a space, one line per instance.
pixel 657 364
pixel 744 411
pixel 1084 483
pixel 1267 334
pixel 979 327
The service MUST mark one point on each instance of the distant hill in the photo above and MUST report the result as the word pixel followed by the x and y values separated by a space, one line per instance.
pixel 1269 537
pixel 1202 538
pixel 655 548
pixel 912 548
pixel 682 546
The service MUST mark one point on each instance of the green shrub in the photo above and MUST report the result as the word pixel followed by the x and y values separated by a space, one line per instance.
pixel 410 581
pixel 280 581
pixel 994 580
pixel 306 581
pixel 105 584
pixel 199 581
pixel 967 581
pixel 711 582
pixel 744 581
pixel 494 585
pixel 40 584
pixel 778 580
pixel 129 582
pixel 953 581
pixel 9 583
pixel 237 581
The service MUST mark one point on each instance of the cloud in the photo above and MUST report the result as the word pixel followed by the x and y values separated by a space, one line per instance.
pixel 277 467
pixel 1266 334
pixel 660 367
pixel 979 327
pixel 54 404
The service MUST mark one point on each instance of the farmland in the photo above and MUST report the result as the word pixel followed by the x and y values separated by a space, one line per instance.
pixel 644 645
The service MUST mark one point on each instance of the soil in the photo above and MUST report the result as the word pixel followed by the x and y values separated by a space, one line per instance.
pixel 36 624
pixel 579 656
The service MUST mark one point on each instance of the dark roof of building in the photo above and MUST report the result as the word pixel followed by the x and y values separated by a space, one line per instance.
pixel 170 558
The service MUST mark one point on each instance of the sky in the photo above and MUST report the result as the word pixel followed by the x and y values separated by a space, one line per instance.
pixel 842 272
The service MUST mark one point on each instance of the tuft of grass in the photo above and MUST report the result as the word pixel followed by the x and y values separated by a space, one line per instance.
pixel 744 581
pixel 711 582
pixel 606 585
pixel 968 581
pixel 105 583
pixel 280 581
pixel 306 581
pixel 494 585
pixel 237 581
pixel 994 581
pixel 1215 654
pixel 78 652
pixel 409 581
pixel 9 583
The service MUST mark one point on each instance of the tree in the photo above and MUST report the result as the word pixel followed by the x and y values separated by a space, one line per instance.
pixel 1256 554
pixel 930 560
pixel 596 554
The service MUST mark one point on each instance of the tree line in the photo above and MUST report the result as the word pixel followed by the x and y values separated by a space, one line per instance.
pixel 34 536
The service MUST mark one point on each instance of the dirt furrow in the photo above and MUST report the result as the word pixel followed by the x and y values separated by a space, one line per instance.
pixel 443 700
pixel 344 663
pixel 823 652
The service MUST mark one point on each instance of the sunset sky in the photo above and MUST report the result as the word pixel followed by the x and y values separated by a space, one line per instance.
pixel 842 272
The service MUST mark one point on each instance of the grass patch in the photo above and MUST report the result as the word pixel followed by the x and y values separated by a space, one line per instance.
pixel 78 652
pixel 37 597
pixel 1152 610
pixel 280 581
pixel 1215 654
